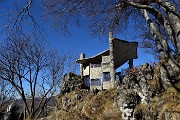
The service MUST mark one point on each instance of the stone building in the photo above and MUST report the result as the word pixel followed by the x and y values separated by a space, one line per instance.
pixel 99 71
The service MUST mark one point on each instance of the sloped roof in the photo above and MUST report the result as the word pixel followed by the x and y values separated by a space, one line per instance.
pixel 123 51
pixel 95 59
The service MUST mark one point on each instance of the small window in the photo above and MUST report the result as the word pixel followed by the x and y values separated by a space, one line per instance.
pixel 96 82
pixel 106 76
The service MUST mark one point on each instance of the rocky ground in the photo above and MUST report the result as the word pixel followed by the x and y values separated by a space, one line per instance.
pixel 140 97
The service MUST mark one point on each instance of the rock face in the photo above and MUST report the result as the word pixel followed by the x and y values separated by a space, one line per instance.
pixel 143 88
pixel 136 90
pixel 127 103
pixel 70 82
pixel 137 97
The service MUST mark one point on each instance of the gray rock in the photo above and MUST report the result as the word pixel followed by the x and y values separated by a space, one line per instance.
pixel 136 89
pixel 64 102
pixel 70 82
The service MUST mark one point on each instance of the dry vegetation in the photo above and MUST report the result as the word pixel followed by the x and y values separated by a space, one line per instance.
pixel 89 107
pixel 164 106
pixel 167 103
pixel 102 107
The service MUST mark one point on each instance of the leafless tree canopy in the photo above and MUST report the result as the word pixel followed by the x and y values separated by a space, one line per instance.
pixel 32 70
pixel 103 16
pixel 7 94
pixel 71 64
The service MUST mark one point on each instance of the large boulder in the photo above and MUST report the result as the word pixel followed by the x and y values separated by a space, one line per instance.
pixel 137 89
pixel 70 82
pixel 127 99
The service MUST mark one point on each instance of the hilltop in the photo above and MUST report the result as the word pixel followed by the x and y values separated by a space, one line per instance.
pixel 142 96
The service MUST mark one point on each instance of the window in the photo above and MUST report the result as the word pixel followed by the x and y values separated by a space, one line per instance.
pixel 96 82
pixel 106 76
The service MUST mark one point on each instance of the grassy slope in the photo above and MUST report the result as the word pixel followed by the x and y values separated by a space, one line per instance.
pixel 91 107
pixel 103 107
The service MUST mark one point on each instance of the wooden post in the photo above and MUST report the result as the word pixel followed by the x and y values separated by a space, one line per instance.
pixel 111 55
pixel 82 56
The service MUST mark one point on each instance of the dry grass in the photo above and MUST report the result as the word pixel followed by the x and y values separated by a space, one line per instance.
pixel 167 104
pixel 154 84
pixel 90 107
pixel 142 110
pixel 102 106
pixel 172 109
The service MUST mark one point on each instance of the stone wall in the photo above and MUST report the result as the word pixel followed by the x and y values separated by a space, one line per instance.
pixel 95 71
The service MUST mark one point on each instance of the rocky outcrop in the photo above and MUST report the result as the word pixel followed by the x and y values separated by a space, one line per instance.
pixel 69 100
pixel 70 82
pixel 136 97
pixel 141 95
pixel 140 81
pixel 136 90
pixel 126 103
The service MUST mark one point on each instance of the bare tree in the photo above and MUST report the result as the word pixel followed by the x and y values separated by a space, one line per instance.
pixel 159 19
pixel 33 71
pixel 21 16
pixel 71 64
pixel 7 94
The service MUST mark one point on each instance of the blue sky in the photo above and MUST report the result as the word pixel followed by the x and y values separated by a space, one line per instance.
pixel 81 41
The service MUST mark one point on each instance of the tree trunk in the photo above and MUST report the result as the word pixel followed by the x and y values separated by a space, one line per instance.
pixel 174 21
pixel 170 70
